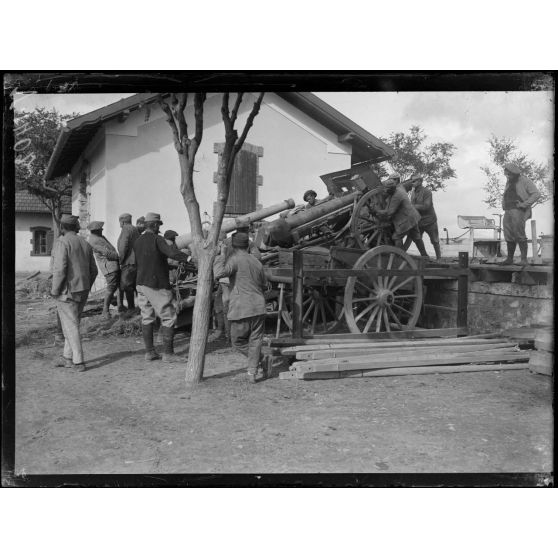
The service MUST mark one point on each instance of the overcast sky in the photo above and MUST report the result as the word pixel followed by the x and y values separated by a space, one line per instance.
pixel 466 119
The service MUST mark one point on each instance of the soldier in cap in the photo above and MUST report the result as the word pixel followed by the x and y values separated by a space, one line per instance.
pixel 310 197
pixel 107 261
pixel 404 216
pixel 140 224
pixel 155 297
pixel 519 196
pixel 73 273
pixel 246 311
pixel 125 244
pixel 421 198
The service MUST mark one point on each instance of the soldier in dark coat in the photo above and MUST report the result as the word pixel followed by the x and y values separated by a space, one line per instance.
pixel 125 245
pixel 155 297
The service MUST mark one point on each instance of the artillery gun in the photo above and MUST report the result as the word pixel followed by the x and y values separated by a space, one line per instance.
pixel 342 232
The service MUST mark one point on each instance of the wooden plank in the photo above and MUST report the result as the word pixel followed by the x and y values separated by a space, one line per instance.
pixel 393 362
pixel 544 341
pixel 408 371
pixel 541 362
pixel 462 291
pixel 298 281
pixel 414 351
pixel 333 337
pixel 534 243
pixel 393 343
pixel 370 272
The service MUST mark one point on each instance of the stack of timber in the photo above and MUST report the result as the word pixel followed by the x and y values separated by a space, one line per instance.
pixel 397 358
pixel 541 360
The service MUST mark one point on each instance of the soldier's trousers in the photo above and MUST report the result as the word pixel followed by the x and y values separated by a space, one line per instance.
pixel 70 311
pixel 247 337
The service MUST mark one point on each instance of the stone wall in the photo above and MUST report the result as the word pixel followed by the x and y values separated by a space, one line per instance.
pixel 491 306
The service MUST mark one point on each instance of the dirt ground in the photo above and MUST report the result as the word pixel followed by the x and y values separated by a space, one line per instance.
pixel 124 415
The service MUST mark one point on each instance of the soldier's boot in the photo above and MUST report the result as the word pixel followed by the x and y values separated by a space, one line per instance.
pixel 511 252
pixel 523 249
pixel 130 299
pixel 168 346
pixel 437 250
pixel 219 323
pixel 251 375
pixel 106 304
pixel 150 352
pixel 421 248
pixel 227 327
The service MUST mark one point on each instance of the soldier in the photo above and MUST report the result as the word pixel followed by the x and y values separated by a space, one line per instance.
pixel 140 224
pixel 155 297
pixel 246 311
pixel 107 260
pixel 520 194
pixel 310 197
pixel 73 273
pixel 421 198
pixel 404 216
pixel 125 244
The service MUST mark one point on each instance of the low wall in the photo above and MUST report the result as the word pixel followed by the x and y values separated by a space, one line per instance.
pixel 491 306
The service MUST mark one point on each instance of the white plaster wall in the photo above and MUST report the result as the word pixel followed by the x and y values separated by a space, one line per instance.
pixel 23 259
pixel 142 170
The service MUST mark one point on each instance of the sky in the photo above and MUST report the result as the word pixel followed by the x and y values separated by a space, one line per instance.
pixel 466 119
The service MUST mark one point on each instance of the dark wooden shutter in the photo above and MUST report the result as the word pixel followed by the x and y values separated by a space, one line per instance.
pixel 50 241
pixel 243 192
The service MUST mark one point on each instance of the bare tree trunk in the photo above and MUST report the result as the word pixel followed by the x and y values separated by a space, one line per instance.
pixel 201 315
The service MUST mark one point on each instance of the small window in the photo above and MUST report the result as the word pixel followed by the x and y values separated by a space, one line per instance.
pixel 41 241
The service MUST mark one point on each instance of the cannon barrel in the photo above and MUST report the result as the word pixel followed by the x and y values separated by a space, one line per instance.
pixel 229 225
pixel 281 230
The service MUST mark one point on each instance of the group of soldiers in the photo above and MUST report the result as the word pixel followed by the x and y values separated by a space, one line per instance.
pixel 140 266
pixel 410 210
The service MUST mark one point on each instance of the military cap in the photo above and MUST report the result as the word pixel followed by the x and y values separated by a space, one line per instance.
pixel 309 193
pixel 140 220
pixel 240 240
pixel 153 218
pixel 512 168
pixel 69 220
pixel 394 176
pixel 95 225
pixel 170 234
pixel 125 217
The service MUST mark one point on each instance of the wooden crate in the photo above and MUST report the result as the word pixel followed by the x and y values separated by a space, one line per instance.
pixel 541 362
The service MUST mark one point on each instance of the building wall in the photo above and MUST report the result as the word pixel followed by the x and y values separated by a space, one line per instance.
pixel 142 171
pixel 491 306
pixel 23 259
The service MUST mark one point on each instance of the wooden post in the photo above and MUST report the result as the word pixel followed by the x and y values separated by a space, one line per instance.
pixel 298 282
pixel 281 293
pixel 462 290
pixel 536 258
pixel 471 242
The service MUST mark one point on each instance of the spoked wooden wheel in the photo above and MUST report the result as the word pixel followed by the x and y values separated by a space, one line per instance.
pixel 322 310
pixel 385 303
pixel 367 229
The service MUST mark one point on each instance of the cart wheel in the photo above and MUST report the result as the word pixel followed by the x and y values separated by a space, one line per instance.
pixel 366 228
pixel 383 303
pixel 322 310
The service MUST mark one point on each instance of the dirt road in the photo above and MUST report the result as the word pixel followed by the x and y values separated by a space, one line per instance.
pixel 124 415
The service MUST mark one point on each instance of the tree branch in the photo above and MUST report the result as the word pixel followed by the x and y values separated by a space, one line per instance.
pixel 199 100
pixel 236 107
pixel 172 124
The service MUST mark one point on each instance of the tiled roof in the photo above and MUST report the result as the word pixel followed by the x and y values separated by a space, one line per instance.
pixel 26 202
pixel 79 131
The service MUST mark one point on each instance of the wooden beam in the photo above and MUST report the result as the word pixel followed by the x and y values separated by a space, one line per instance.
pixel 298 285
pixel 344 274
pixel 362 363
pixel 403 351
pixel 404 371
pixel 391 343
pixel 462 291
pixel 333 337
